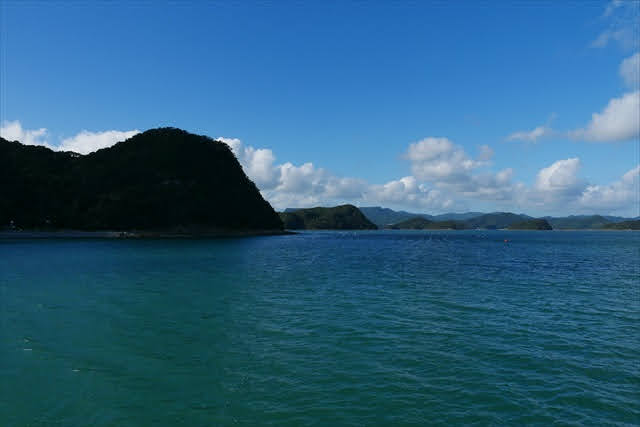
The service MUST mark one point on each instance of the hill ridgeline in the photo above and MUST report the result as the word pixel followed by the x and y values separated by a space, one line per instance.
pixel 162 179
pixel 344 217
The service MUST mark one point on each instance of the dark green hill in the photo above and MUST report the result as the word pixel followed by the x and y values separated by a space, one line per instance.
pixel 457 216
pixel 624 225
pixel 496 220
pixel 385 216
pixel 161 179
pixel 577 222
pixel 426 224
pixel 531 224
pixel 345 217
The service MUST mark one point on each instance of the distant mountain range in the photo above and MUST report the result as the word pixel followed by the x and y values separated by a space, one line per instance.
pixel 419 223
pixel 531 224
pixel 385 217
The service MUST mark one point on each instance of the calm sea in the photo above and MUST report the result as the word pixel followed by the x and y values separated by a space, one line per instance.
pixel 322 328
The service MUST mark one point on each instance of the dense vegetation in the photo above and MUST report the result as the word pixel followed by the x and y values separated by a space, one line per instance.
pixel 531 224
pixel 385 216
pixel 578 222
pixel 160 179
pixel 345 217
pixel 624 225
pixel 418 223
pixel 496 220
pixel 389 218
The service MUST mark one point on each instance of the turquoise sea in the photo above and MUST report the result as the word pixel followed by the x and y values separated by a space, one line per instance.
pixel 323 328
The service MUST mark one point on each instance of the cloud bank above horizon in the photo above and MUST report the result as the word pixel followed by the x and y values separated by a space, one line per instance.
pixel 84 142
pixel 442 177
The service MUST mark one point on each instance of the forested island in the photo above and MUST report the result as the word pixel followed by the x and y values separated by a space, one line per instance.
pixel 344 217
pixel 531 224
pixel 162 180
pixel 390 219
pixel 419 223
pixel 623 225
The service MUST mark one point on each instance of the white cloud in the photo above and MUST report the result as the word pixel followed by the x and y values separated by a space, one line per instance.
pixel 559 187
pixel 448 167
pixel 258 164
pixel 87 142
pixel 620 194
pixel 84 142
pixel 13 131
pixel 560 178
pixel 407 192
pixel 287 185
pixel 532 135
pixel 619 121
pixel 630 71
pixel 439 159
pixel 622 25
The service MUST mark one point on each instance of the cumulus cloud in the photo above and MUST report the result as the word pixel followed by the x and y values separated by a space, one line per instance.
pixel 87 142
pixel 620 194
pixel 407 192
pixel 288 185
pixel 13 131
pixel 619 121
pixel 560 187
pixel 630 71
pixel 450 168
pixel 560 179
pixel 84 142
pixel 258 164
pixel 439 159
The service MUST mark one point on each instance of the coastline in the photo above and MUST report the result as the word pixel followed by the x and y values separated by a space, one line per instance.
pixel 136 234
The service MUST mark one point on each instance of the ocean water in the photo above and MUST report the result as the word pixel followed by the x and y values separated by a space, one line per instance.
pixel 323 328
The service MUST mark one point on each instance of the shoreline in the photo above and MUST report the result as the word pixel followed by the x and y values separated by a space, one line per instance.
pixel 146 234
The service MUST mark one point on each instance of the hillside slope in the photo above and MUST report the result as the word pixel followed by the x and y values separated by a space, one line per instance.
pixel 161 179
pixel 344 217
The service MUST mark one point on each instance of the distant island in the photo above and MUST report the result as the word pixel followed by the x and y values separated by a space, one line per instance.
pixel 163 180
pixel 624 225
pixel 419 223
pixel 384 216
pixel 390 219
pixel 531 224
pixel 344 217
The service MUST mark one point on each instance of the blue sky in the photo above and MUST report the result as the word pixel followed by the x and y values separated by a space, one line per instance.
pixel 323 101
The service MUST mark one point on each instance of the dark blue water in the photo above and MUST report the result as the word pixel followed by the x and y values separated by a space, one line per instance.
pixel 322 328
